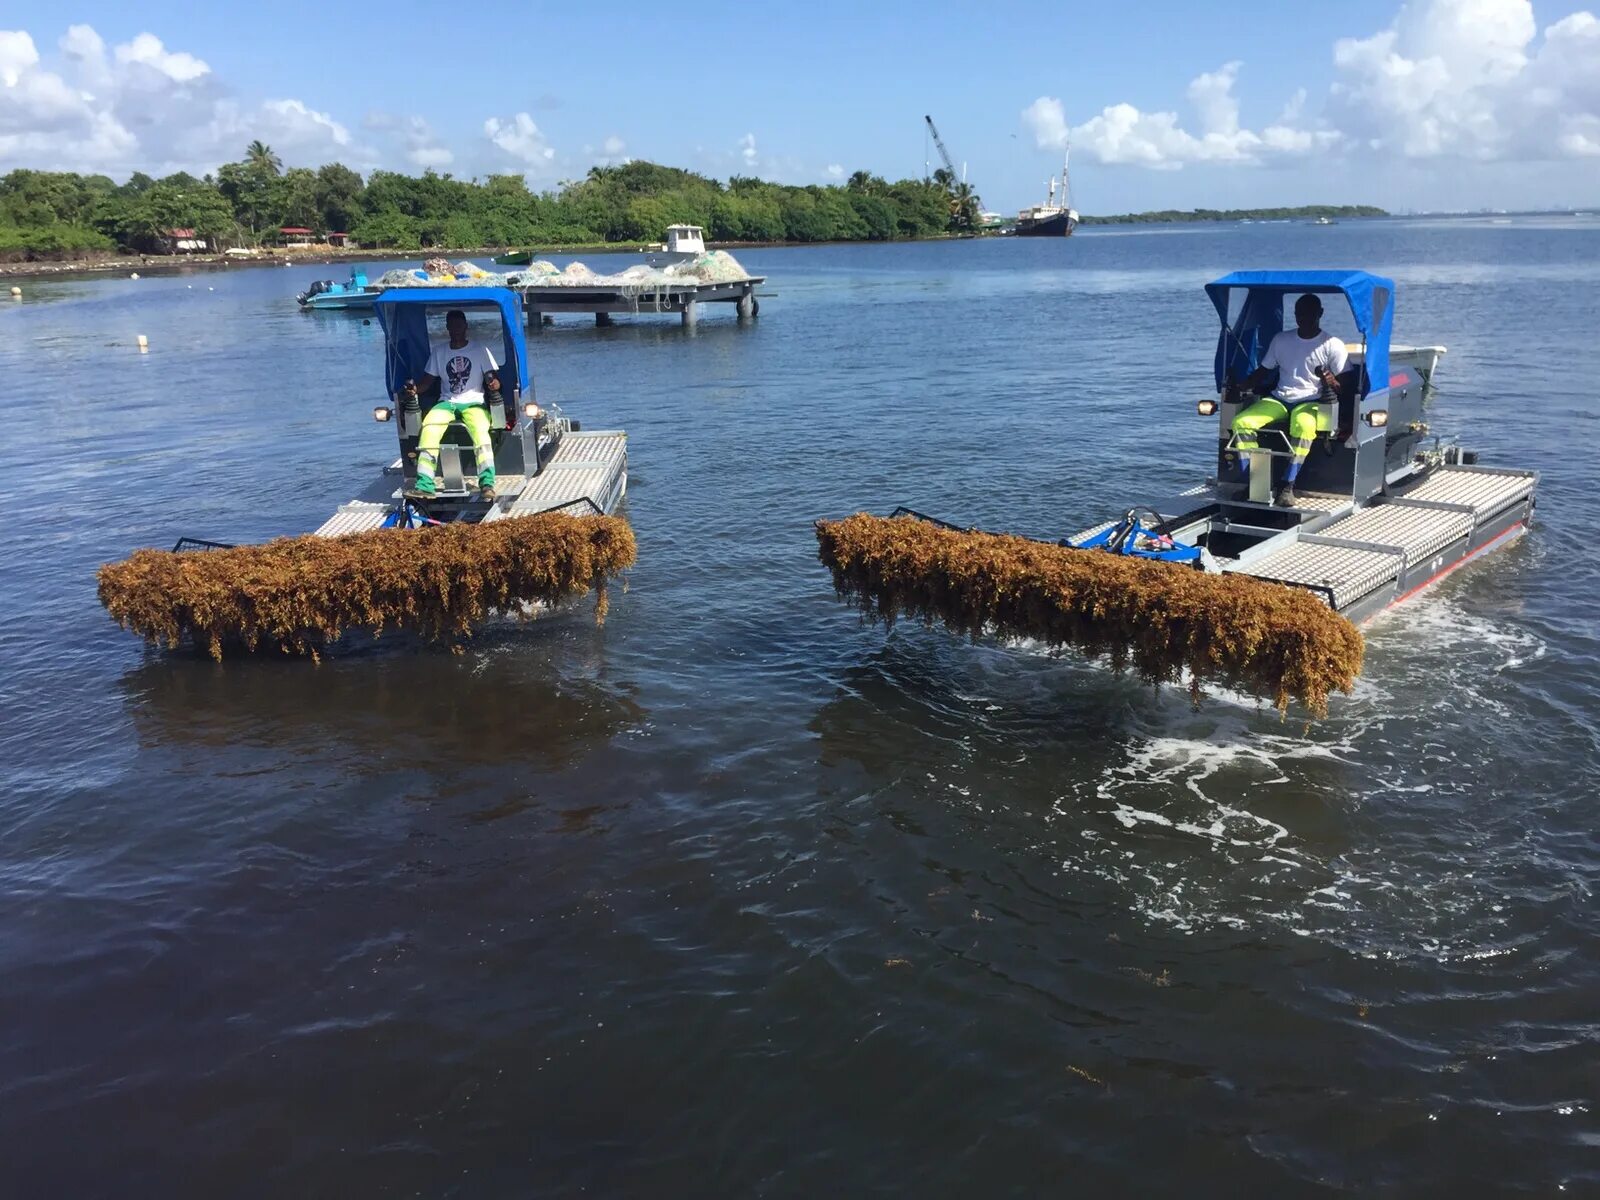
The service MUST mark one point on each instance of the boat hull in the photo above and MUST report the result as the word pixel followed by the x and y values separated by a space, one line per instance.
pixel 1060 225
pixel 1364 557
pixel 341 300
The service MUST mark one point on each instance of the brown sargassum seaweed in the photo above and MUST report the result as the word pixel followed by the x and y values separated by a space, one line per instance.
pixel 298 594
pixel 1162 619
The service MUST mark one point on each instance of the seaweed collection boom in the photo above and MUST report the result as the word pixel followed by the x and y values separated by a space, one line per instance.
pixel 1214 581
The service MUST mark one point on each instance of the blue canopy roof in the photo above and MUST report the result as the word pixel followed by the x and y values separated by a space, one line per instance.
pixel 1260 318
pixel 403 314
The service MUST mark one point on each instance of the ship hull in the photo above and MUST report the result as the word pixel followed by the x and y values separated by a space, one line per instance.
pixel 1060 225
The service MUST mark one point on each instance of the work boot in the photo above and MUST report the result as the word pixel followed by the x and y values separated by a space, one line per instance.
pixel 487 495
pixel 1285 498
pixel 419 495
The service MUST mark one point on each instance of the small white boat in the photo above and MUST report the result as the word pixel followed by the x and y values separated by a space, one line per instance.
pixel 684 243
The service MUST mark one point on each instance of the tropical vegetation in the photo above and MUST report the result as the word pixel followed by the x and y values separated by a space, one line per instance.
pixel 50 214
pixel 57 214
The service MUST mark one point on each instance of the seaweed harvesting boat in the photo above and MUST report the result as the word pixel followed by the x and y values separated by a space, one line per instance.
pixel 442 565
pixel 1382 510
pixel 355 292
pixel 544 461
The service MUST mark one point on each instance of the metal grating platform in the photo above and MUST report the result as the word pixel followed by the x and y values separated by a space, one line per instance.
pixel 1318 502
pixel 591 465
pixel 1084 535
pixel 355 517
pixel 1347 574
pixel 1486 491
pixel 1418 531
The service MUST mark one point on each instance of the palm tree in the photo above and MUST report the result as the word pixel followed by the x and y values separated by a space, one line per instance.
pixel 964 206
pixel 259 154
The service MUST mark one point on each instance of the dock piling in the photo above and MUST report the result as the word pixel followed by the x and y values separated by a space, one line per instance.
pixel 691 313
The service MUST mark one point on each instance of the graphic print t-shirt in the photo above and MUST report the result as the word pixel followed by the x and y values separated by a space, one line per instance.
pixel 1298 359
pixel 459 370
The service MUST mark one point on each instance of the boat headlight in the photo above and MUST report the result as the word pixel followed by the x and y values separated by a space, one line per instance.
pixel 1378 418
pixel 1206 408
pixel 382 413
pixel 531 411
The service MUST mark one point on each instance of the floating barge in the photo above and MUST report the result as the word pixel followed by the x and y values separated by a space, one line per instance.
pixel 605 299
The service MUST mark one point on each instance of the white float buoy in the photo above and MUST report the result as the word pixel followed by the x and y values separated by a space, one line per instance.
pixel 16 293
pixel 144 344
pixel 135 275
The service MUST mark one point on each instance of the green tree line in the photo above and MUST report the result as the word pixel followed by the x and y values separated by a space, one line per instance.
pixel 48 214
pixel 1303 212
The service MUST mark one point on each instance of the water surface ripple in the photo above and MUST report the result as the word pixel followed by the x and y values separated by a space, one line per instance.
pixel 736 896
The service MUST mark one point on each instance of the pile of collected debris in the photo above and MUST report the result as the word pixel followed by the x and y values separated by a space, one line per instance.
pixel 715 266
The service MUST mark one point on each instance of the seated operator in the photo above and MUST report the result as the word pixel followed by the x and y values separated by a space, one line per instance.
pixel 1307 360
pixel 466 368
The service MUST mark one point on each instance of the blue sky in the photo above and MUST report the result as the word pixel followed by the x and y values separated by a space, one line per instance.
pixel 1442 103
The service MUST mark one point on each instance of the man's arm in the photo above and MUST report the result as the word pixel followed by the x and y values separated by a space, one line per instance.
pixel 426 380
pixel 1257 379
pixel 1333 365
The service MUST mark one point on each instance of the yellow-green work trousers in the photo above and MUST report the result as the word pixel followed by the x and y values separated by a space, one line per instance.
pixel 1305 418
pixel 476 418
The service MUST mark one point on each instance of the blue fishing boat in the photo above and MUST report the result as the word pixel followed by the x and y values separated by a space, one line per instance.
pixel 355 292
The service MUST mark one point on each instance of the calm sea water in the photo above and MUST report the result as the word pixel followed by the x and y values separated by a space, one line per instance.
pixel 736 896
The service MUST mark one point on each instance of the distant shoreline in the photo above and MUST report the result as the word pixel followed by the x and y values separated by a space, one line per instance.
pixel 160 264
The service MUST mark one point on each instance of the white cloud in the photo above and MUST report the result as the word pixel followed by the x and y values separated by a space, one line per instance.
pixel 1048 120
pixel 747 151
pixel 415 138
pixel 141 106
pixel 1121 133
pixel 83 43
pixel 1469 79
pixel 147 50
pixel 834 171
pixel 17 54
pixel 430 158
pixel 1214 101
pixel 522 140
pixel 292 120
pixel 612 152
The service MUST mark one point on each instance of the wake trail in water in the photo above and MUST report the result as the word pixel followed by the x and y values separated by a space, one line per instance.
pixel 1362 830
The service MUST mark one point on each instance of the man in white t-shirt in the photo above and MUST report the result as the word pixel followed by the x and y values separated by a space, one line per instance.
pixel 1307 361
pixel 464 370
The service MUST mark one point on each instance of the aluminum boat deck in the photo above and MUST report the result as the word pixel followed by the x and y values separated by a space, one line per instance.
pixel 587 473
pixel 1363 559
